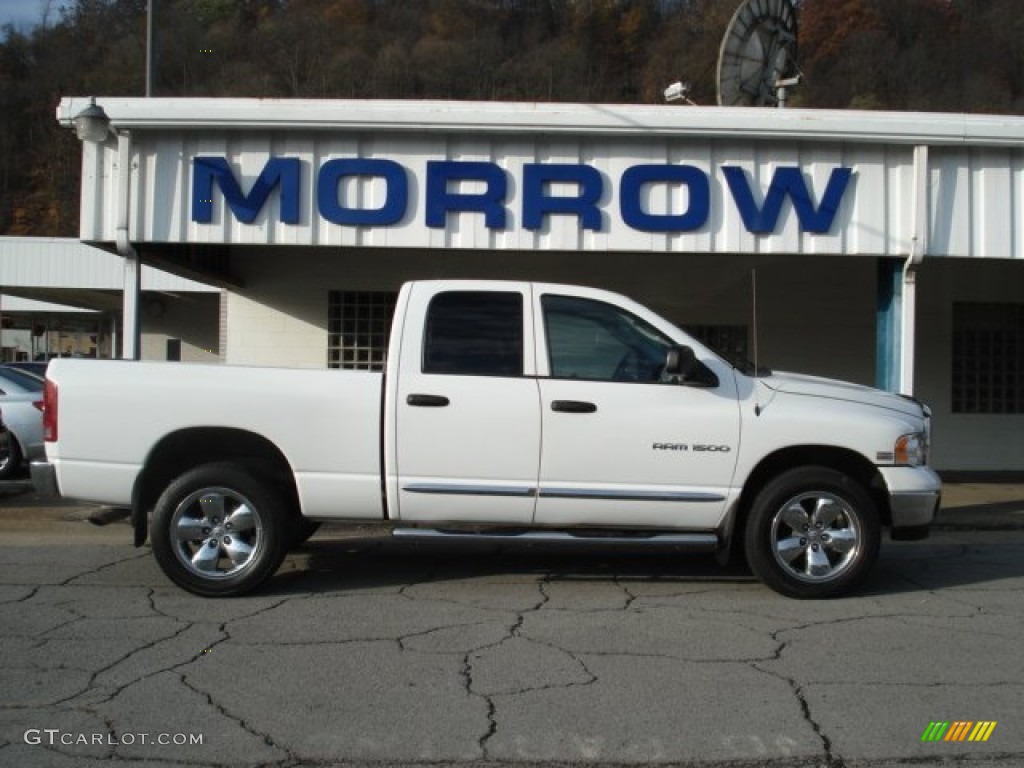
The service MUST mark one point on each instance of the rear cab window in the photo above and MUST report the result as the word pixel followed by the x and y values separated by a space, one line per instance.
pixel 474 333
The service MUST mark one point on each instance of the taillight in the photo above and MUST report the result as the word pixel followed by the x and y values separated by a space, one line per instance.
pixel 50 412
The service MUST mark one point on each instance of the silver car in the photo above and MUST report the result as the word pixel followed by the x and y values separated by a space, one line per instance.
pixel 21 402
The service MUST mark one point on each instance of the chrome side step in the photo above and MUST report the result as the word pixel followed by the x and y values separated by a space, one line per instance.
pixel 691 542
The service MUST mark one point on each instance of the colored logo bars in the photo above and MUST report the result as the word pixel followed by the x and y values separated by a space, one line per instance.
pixel 959 730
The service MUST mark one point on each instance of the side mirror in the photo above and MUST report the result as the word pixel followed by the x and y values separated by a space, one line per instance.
pixel 680 363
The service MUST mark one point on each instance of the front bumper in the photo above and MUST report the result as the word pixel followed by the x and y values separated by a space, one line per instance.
pixel 44 478
pixel 915 494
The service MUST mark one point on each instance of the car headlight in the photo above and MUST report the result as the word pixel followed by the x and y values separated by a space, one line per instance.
pixel 911 450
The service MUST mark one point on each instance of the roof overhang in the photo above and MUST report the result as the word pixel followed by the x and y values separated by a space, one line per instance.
pixel 906 128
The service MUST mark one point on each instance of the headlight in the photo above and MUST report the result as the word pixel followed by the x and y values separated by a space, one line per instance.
pixel 911 450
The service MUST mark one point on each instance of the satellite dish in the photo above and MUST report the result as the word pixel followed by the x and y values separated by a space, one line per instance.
pixel 758 51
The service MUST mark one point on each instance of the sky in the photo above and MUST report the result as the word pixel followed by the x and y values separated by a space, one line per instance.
pixel 24 15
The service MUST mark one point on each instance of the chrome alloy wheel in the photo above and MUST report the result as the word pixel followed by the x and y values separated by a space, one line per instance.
pixel 217 533
pixel 815 536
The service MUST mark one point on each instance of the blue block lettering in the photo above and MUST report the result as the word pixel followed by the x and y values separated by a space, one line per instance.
pixel 279 171
pixel 395 198
pixel 537 203
pixel 698 207
pixel 587 193
pixel 441 202
pixel 787 182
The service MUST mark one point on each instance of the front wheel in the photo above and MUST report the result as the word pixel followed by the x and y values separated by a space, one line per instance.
pixel 812 532
pixel 220 531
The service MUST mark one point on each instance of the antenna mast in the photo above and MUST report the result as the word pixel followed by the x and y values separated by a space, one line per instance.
pixel 753 310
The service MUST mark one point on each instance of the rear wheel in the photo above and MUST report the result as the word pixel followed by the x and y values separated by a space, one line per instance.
pixel 10 456
pixel 220 531
pixel 812 532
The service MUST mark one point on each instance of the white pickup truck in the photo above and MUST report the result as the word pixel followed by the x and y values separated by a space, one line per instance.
pixel 508 411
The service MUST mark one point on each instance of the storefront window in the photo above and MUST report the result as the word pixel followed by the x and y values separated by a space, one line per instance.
pixel 358 327
pixel 988 358
pixel 729 341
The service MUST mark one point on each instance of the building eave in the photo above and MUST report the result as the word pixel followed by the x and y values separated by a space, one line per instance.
pixel 233 114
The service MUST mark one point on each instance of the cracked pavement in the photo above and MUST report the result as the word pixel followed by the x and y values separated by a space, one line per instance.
pixel 363 651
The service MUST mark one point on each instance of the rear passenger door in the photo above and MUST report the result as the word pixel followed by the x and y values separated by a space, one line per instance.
pixel 467 407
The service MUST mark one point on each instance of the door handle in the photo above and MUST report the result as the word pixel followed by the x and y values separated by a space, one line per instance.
pixel 572 406
pixel 427 401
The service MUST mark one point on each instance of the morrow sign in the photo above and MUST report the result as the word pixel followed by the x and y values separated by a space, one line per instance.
pixel 444 194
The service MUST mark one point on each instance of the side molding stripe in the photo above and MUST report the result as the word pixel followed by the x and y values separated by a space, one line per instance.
pixel 562 493
pixel 470 490
pixel 583 493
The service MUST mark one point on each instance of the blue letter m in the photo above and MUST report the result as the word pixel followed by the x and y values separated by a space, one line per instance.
pixel 283 171
pixel 787 182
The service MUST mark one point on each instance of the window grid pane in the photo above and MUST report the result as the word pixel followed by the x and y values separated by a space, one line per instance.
pixel 988 358
pixel 730 341
pixel 358 329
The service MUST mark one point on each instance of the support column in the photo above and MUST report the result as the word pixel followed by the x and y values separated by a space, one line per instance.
pixel 131 330
pixel 918 250
pixel 888 325
pixel 908 326
pixel 131 333
pixel 896 315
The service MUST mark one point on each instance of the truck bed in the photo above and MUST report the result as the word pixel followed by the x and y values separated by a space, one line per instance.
pixel 326 423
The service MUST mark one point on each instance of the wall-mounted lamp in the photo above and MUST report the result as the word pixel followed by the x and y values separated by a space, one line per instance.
pixel 92 123
pixel 679 92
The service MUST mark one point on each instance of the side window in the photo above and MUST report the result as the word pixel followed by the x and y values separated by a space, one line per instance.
pixel 592 340
pixel 474 333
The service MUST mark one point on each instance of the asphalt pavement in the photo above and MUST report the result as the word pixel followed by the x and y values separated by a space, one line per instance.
pixel 367 652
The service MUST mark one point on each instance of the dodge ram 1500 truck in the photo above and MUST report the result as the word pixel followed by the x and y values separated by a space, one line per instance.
pixel 507 411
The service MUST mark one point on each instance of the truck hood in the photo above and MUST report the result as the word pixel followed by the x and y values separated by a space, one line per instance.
pixel 815 386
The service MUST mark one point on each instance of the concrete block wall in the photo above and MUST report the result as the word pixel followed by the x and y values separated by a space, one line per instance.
pixel 258 334
pixel 188 317
pixel 985 442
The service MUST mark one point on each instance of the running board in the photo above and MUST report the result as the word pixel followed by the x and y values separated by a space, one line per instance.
pixel 692 542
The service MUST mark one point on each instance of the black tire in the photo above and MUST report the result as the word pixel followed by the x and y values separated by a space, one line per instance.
pixel 812 532
pixel 10 456
pixel 223 512
pixel 301 528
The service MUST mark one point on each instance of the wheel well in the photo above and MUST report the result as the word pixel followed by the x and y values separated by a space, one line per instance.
pixel 16 442
pixel 181 451
pixel 848 462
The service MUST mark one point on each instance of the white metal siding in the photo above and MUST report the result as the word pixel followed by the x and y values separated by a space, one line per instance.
pixel 874 219
pixel 976 202
pixel 61 262
pixel 976 171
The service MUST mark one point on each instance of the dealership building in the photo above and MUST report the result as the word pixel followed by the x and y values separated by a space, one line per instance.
pixel 882 248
